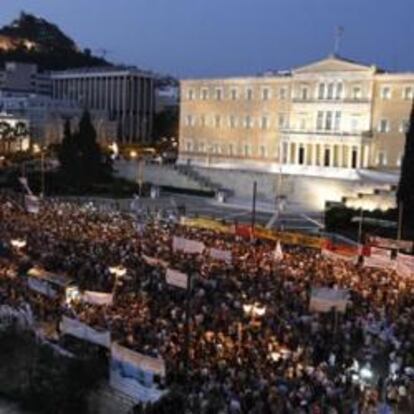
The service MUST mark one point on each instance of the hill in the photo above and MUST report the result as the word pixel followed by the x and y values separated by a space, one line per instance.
pixel 35 40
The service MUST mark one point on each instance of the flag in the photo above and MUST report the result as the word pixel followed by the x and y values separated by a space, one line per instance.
pixel 278 253
pixel 25 185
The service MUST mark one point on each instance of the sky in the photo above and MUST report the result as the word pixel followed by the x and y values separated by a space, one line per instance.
pixel 212 38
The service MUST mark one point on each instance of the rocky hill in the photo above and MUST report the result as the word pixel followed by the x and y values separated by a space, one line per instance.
pixel 33 39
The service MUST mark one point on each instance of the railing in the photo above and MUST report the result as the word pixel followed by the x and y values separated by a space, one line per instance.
pixel 365 134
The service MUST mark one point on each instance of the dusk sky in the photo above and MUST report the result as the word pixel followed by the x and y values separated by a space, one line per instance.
pixel 196 38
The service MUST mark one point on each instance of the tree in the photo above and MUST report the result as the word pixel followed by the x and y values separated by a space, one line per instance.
pixel 405 193
pixel 80 156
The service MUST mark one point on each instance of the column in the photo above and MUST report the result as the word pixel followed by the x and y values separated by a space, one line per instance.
pixel 288 152
pixel 340 156
pixel 366 156
pixel 332 155
pixel 359 156
pixel 297 153
pixel 350 150
pixel 314 149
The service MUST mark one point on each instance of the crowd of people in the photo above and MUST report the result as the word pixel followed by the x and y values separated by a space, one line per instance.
pixel 285 359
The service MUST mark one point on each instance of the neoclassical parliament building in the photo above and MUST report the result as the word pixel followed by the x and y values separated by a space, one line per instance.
pixel 331 118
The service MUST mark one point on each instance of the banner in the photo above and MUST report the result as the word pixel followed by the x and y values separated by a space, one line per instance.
pixel 390 243
pixel 133 374
pixel 32 204
pixel 42 287
pixel 97 298
pixel 187 246
pixel 205 223
pixel 224 255
pixel 324 299
pixel 152 261
pixel 333 255
pixel 405 265
pixel 82 331
pixel 176 278
pixel 379 258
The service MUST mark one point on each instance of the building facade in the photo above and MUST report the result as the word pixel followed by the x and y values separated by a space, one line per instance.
pixel 25 78
pixel 125 94
pixel 331 118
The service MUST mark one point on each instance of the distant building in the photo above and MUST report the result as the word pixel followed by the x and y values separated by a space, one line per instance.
pixel 167 99
pixel 331 118
pixel 14 133
pixel 24 78
pixel 46 117
pixel 126 95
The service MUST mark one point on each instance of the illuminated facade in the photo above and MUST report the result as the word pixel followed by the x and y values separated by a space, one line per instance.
pixel 331 118
pixel 126 95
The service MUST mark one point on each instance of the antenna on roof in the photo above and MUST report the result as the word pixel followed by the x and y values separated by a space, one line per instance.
pixel 339 32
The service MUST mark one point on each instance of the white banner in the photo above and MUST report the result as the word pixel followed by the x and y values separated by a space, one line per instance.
pixel 379 258
pixel 133 374
pixel 224 255
pixel 405 265
pixel 41 286
pixel 176 278
pixel 97 298
pixel 336 256
pixel 82 331
pixel 187 246
pixel 32 204
pixel 324 299
pixel 390 243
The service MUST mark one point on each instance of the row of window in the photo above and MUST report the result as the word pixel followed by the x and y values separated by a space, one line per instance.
pixel 325 91
pixel 233 121
pixel 231 149
pixel 326 121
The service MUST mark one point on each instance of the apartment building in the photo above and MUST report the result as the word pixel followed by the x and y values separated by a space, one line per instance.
pixel 331 118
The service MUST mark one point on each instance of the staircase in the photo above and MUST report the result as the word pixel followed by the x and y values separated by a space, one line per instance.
pixel 201 179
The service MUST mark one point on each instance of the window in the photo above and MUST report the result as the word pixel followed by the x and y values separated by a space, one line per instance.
pixel 202 121
pixel 337 126
pixel 265 94
pixel 232 121
pixel 188 146
pixel 328 120
pixel 281 121
pixel 248 122
pixel 319 121
pixel 304 94
pixel 263 152
pixel 265 122
pixel 354 158
pixel 354 124
pixel 356 92
pixel 330 90
pixel 408 94
pixel 217 121
pixel 321 91
pixel 285 152
pixel 233 94
pixel 189 120
pixel 384 126
pixel 301 155
pixel 246 150
pixel 386 92
pixel 231 149
pixel 190 94
pixel 249 94
pixel 201 146
pixel 204 94
pixel 404 126
pixel 327 157
pixel 302 124
pixel 219 94
pixel 382 159
pixel 339 90
pixel 283 93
